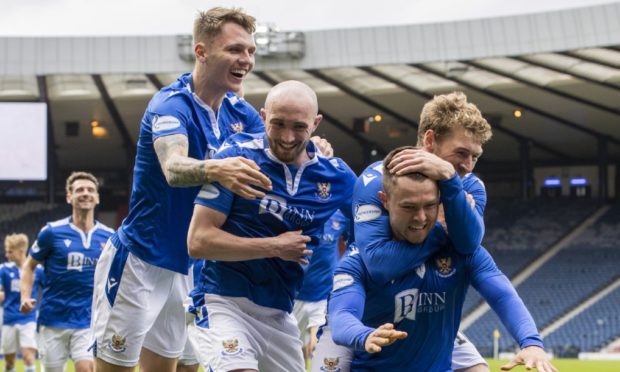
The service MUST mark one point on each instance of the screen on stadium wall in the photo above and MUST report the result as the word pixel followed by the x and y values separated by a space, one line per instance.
pixel 23 141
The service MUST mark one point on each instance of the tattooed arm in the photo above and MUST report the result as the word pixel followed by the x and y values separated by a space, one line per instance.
pixel 236 174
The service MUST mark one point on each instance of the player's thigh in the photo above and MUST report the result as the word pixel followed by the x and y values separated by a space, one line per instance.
pixel 9 339
pixel 229 343
pixel 80 343
pixel 282 347
pixel 28 335
pixel 168 335
pixel 330 357
pixel 465 356
pixel 129 297
pixel 56 349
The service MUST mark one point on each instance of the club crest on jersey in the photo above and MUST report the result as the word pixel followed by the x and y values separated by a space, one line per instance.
pixel 237 127
pixel 324 190
pixel 331 365
pixel 444 267
pixel 335 225
pixel 117 343
pixel 231 347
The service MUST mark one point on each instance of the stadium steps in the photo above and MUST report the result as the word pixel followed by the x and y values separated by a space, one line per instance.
pixel 579 309
pixel 479 311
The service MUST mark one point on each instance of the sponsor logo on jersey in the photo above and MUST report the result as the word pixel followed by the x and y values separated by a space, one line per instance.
pixel 277 207
pixel 324 190
pixel 330 365
pixel 231 347
pixel 77 261
pixel 117 344
pixel 405 303
pixel 163 123
pixel 444 267
pixel 237 127
pixel 366 212
pixel 15 284
pixel 209 191
pixel 411 301
pixel 342 280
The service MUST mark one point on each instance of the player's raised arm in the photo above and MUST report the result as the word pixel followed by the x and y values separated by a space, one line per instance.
pixel 236 174
pixel 499 293
pixel 464 223
pixel 25 285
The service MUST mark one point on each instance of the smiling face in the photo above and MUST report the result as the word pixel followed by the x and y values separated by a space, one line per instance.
pixel 459 147
pixel 412 204
pixel 290 117
pixel 227 58
pixel 83 195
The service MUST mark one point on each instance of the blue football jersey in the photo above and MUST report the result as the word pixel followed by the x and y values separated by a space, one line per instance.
pixel 426 303
pixel 9 282
pixel 155 229
pixel 69 257
pixel 318 276
pixel 373 235
pixel 302 198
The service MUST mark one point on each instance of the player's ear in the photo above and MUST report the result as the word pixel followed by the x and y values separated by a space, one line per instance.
pixel 317 121
pixel 429 140
pixel 200 51
pixel 263 115
pixel 68 198
pixel 384 199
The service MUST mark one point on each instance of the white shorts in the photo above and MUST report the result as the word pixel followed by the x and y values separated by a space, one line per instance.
pixel 329 355
pixel 465 354
pixel 59 343
pixel 244 335
pixel 308 315
pixel 136 305
pixel 19 336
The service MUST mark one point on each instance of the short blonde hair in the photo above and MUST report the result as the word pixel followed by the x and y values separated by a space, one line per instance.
pixel 446 112
pixel 208 25
pixel 19 241
pixel 80 176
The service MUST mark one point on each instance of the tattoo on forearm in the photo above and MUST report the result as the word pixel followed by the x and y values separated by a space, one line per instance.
pixel 179 169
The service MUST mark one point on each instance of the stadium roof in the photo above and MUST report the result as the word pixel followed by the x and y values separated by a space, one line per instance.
pixel 561 69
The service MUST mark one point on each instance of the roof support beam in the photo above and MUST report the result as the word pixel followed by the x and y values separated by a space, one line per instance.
pixel 496 121
pixel 573 54
pixel 513 102
pixel 376 105
pixel 551 90
pixel 364 142
pixel 52 157
pixel 577 75
pixel 130 150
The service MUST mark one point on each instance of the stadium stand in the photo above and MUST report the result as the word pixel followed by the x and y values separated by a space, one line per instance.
pixel 577 272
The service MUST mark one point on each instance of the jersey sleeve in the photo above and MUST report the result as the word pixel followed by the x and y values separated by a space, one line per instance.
pixel 465 224
pixel 43 245
pixel 214 195
pixel 170 116
pixel 499 293
pixel 386 259
pixel 346 304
